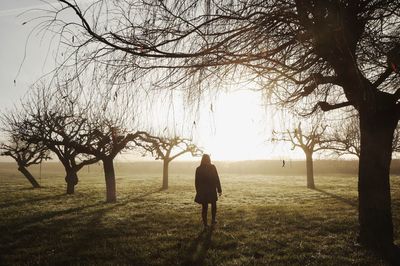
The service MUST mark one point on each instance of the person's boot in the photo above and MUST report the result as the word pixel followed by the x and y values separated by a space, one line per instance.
pixel 204 217
pixel 213 222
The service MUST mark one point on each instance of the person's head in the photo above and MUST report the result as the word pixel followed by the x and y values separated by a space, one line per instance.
pixel 205 159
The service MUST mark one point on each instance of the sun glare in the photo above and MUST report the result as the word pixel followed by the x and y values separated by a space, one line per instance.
pixel 235 129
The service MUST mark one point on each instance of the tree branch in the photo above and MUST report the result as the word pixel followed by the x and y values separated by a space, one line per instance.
pixel 383 77
pixel 328 107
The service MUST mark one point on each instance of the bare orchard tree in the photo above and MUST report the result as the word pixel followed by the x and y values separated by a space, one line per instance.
pixel 108 122
pixel 320 54
pixel 166 149
pixel 103 139
pixel 346 138
pixel 59 130
pixel 24 153
pixel 310 141
pixel 51 121
pixel 79 126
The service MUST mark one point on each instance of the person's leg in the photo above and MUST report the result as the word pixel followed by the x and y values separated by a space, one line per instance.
pixel 213 211
pixel 204 213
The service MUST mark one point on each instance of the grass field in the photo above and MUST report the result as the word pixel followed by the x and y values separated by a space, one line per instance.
pixel 262 220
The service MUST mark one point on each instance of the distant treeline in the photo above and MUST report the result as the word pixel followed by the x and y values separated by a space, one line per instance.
pixel 256 167
pixel 263 167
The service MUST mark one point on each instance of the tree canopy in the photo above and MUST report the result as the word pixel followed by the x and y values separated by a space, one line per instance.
pixel 326 51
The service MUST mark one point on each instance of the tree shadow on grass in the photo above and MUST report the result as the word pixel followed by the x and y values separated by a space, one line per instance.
pixel 93 232
pixel 39 218
pixel 198 248
pixel 344 200
pixel 31 188
pixel 18 222
pixel 30 201
pixel 83 233
pixel 127 200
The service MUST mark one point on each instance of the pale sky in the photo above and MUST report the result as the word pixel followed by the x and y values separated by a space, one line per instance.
pixel 237 129
pixel 12 51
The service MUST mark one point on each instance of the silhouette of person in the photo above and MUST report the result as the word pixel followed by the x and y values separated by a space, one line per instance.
pixel 207 184
pixel 283 163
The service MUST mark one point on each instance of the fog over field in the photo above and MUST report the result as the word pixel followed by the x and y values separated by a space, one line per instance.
pixel 262 167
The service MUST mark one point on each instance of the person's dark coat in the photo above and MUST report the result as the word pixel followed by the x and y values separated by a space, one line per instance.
pixel 207 184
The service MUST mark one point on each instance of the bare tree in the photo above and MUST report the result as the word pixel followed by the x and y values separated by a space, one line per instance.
pixel 59 129
pixel 346 138
pixel 311 141
pixel 108 126
pixel 166 149
pixel 103 139
pixel 25 154
pixel 50 121
pixel 333 53
pixel 79 131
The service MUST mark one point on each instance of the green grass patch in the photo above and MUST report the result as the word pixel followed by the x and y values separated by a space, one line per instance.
pixel 262 220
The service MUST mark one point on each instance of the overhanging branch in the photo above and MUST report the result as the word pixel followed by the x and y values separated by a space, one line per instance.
pixel 328 107
pixel 383 77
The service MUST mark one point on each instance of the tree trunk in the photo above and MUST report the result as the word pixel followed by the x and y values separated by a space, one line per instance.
pixel 375 216
pixel 109 174
pixel 29 176
pixel 165 174
pixel 310 170
pixel 72 180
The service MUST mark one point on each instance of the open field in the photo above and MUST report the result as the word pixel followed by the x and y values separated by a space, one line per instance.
pixel 262 220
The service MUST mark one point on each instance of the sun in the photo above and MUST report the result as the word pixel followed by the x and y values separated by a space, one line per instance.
pixel 236 127
pixel 232 126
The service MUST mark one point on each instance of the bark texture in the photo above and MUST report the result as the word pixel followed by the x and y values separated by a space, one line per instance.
pixel 109 174
pixel 29 176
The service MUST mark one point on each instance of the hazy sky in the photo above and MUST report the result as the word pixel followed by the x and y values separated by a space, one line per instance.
pixel 12 51
pixel 237 129
pixel 12 5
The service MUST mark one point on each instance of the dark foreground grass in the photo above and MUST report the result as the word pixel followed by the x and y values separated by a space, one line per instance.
pixel 262 220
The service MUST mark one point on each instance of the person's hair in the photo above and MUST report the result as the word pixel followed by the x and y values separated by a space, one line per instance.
pixel 205 159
